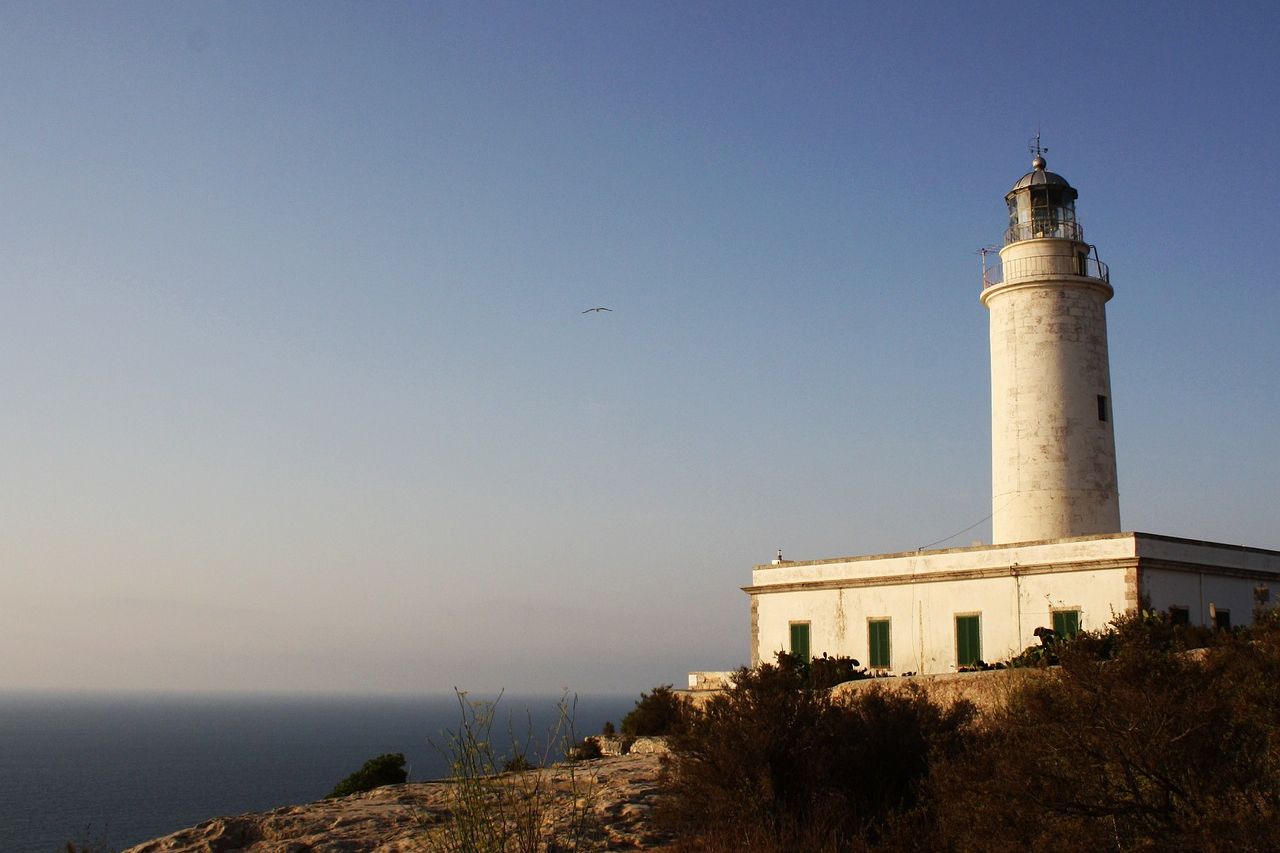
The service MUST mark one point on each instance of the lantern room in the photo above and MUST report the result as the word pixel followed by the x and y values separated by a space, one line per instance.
pixel 1042 205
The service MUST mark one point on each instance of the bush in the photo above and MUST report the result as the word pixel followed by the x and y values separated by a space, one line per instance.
pixel 1133 743
pixel 385 769
pixel 768 765
pixel 586 750
pixel 1136 741
pixel 659 712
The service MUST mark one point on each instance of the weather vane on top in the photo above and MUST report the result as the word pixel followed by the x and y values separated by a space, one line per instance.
pixel 1038 150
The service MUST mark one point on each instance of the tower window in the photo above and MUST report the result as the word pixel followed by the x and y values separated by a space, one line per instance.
pixel 1102 408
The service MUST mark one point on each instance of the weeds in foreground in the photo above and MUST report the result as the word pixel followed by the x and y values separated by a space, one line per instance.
pixel 518 811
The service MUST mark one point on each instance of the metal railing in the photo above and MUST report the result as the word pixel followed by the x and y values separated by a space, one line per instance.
pixel 993 269
pixel 1040 228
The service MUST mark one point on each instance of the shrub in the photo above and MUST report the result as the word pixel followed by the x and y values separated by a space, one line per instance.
pixel 659 712
pixel 518 764
pixel 608 730
pixel 1134 744
pixel 1131 743
pixel 768 765
pixel 586 750
pixel 387 769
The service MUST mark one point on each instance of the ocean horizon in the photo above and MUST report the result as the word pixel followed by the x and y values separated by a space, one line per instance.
pixel 110 770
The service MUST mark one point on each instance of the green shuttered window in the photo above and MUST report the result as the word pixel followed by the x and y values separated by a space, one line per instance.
pixel 800 640
pixel 878 639
pixel 968 640
pixel 1066 623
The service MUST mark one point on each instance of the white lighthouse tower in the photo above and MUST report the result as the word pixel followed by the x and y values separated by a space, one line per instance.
pixel 1053 455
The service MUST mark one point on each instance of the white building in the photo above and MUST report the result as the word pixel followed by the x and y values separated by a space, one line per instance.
pixel 1059 559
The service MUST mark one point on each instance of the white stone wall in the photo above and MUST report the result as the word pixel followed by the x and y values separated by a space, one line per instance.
pixel 1196 591
pixel 1012 587
pixel 1195 575
pixel 922 626
pixel 1053 459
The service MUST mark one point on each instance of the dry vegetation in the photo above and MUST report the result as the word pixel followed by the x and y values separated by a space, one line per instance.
pixel 1137 743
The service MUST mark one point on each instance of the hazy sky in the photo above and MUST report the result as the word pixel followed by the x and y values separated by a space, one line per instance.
pixel 298 394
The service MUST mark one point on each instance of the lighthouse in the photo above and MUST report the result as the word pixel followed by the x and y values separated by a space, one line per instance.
pixel 1053 456
pixel 1058 559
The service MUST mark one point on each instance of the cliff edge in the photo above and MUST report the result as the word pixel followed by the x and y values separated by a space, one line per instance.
pixel 617 794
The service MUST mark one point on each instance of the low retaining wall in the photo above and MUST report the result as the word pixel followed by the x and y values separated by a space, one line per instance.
pixel 987 690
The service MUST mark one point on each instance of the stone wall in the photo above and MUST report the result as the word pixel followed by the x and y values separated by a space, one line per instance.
pixel 624 745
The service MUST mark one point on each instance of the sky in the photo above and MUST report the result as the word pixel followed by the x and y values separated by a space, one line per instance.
pixel 298 391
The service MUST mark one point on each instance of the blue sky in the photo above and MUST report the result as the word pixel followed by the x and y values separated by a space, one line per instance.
pixel 298 391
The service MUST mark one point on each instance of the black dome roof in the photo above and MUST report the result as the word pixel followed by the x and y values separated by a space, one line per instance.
pixel 1038 177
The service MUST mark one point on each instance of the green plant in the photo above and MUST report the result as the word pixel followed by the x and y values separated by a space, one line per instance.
pixel 821 673
pixel 658 712
pixel 607 729
pixel 826 672
pixel 387 769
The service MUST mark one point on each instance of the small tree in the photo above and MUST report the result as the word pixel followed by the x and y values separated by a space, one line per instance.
pixel 387 769
pixel 659 712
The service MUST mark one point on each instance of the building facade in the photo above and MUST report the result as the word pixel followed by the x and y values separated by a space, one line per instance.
pixel 936 611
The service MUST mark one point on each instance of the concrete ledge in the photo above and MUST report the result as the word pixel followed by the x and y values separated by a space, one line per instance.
pixel 987 690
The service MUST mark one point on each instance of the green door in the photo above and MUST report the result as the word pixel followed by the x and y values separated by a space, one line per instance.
pixel 968 640
pixel 878 639
pixel 800 640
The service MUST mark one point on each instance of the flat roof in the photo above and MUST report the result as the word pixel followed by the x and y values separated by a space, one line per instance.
pixel 1133 534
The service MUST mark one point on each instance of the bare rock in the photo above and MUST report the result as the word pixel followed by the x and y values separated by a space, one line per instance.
pixel 610 798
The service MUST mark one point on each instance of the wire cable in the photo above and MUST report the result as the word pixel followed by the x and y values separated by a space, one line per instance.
pixel 967 529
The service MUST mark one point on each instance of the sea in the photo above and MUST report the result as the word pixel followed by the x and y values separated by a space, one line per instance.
pixel 106 772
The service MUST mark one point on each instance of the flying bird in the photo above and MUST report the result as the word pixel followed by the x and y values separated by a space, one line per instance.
pixel 589 310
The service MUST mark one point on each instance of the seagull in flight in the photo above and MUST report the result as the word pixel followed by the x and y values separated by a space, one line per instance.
pixel 589 310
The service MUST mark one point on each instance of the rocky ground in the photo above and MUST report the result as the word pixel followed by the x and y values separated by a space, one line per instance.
pixel 610 798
